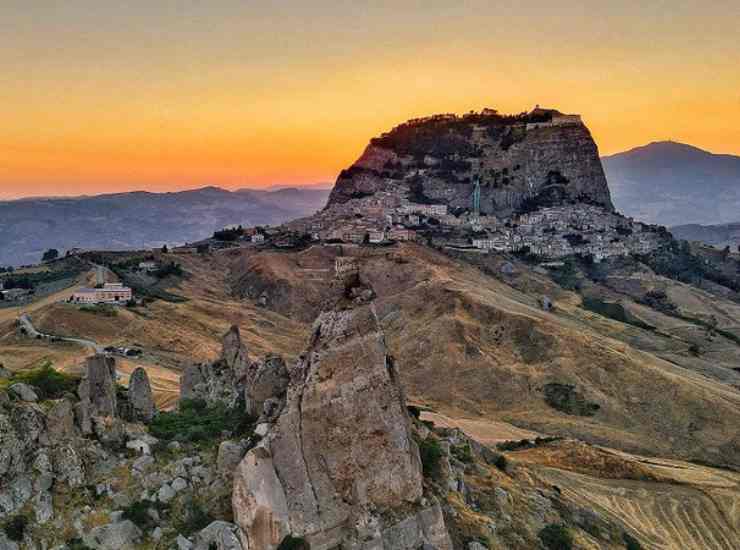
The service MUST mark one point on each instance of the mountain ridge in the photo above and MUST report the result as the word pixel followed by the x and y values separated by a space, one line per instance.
pixel 141 218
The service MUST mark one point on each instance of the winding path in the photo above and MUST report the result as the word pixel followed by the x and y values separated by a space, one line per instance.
pixel 27 324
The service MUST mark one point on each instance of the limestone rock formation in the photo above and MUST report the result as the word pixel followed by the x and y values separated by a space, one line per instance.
pixel 97 391
pixel 266 380
pixel 340 458
pixel 538 158
pixel 221 381
pixel 140 396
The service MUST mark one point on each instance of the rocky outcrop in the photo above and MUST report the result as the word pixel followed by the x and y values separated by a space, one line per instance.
pixel 140 397
pixel 97 391
pixel 222 381
pixel 267 380
pixel 339 460
pixel 522 161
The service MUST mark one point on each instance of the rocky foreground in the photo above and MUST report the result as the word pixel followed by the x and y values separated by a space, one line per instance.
pixel 323 453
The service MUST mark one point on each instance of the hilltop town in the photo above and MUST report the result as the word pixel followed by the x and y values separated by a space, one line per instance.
pixel 481 194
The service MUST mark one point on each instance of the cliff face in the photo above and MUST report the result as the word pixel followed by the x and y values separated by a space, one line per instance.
pixel 524 161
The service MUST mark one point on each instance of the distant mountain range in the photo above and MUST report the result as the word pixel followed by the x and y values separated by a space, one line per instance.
pixel 719 236
pixel 141 219
pixel 671 184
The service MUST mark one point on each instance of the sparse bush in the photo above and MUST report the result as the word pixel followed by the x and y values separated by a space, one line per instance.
pixel 76 544
pixel 293 543
pixel 630 542
pixel 463 453
pixel 556 537
pixel 138 513
pixel 192 518
pixel 15 528
pixel 501 462
pixel 49 383
pixel 197 422
pixel 431 453
pixel 694 350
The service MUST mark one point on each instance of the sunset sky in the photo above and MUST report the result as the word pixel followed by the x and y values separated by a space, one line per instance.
pixel 100 96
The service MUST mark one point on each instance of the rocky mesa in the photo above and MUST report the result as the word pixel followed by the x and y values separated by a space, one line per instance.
pixel 532 159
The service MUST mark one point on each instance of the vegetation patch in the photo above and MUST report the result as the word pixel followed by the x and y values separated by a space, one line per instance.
pixel 463 453
pixel 196 421
pixel 48 382
pixel 192 518
pixel 565 398
pixel 138 513
pixel 630 542
pixel 615 311
pixel 293 543
pixel 15 527
pixel 556 537
pixel 430 452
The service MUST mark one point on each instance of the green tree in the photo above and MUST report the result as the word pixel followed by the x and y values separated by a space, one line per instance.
pixel 49 255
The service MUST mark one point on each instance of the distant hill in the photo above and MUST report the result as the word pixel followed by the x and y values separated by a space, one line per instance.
pixel 672 183
pixel 727 234
pixel 141 219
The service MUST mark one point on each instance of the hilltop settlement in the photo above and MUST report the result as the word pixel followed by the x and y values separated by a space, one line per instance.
pixel 528 184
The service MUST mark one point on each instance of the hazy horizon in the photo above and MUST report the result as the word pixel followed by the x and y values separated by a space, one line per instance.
pixel 69 192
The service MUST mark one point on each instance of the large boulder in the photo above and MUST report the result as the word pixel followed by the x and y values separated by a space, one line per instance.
pixel 123 535
pixel 24 392
pixel 219 535
pixel 140 397
pixel 340 458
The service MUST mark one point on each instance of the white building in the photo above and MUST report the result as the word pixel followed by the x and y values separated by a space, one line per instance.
pixel 110 293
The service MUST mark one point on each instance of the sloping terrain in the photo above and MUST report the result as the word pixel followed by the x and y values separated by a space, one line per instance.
pixel 474 347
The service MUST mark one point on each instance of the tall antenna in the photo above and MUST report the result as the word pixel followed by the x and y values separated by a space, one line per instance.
pixel 476 196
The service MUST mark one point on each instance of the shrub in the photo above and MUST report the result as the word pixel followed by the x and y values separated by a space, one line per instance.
pixel 556 537
pixel 76 544
pixel 196 421
pixel 49 383
pixel 293 543
pixel 630 542
pixel 414 412
pixel 501 462
pixel 15 528
pixel 138 513
pixel 463 453
pixel 193 518
pixel 430 453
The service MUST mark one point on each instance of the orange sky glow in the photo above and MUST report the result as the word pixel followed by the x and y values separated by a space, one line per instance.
pixel 179 94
